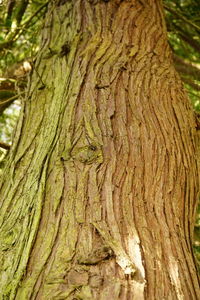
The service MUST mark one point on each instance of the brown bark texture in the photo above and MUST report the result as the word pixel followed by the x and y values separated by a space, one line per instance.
pixel 98 196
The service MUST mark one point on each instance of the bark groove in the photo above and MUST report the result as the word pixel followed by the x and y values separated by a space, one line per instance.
pixel 101 201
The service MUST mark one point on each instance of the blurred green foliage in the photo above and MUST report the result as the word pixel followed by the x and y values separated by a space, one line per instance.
pixel 8 120
pixel 183 25
pixel 20 24
pixel 197 237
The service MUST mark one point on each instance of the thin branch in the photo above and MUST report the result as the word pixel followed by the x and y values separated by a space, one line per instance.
pixel 21 10
pixel 187 37
pixel 15 18
pixel 11 99
pixel 6 44
pixel 20 30
pixel 186 68
pixel 174 12
pixel 34 15
pixel 4 145
pixel 10 8
pixel 193 94
pixel 191 83
pixel 194 44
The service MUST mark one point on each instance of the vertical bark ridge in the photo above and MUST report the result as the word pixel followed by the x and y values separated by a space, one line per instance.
pixel 102 189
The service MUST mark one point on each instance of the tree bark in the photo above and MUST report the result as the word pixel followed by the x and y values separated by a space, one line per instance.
pixel 98 195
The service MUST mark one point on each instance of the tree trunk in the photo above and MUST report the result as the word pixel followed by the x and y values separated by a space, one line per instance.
pixel 98 196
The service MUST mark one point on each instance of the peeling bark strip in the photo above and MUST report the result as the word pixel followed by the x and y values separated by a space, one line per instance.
pixel 98 197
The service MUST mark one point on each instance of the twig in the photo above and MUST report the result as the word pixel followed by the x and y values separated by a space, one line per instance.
pixel 186 68
pixel 19 30
pixel 187 38
pixel 11 99
pixel 181 17
pixel 35 14
pixel 194 85
pixel 193 94
pixel 4 145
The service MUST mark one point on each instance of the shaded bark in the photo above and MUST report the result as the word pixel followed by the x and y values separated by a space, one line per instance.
pixel 98 197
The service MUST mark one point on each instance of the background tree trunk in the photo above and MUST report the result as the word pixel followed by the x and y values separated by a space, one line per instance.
pixel 98 197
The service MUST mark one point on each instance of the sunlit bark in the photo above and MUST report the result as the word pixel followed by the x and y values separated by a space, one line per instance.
pixel 98 197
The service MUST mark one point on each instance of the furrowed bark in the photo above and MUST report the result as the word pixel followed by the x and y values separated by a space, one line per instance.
pixel 98 198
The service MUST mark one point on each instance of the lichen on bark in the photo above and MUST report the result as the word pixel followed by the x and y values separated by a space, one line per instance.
pixel 98 196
